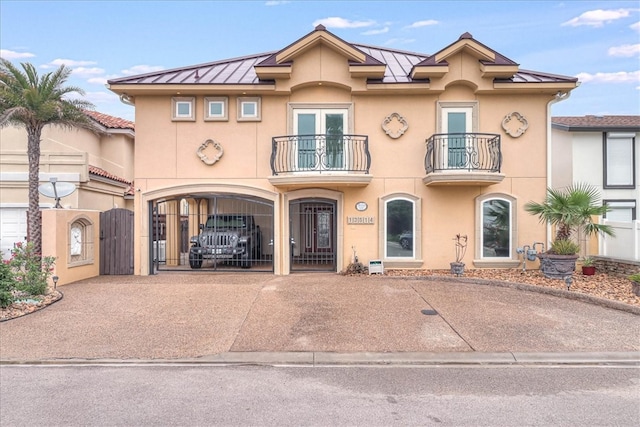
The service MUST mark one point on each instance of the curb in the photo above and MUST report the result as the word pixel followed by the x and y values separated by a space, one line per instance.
pixel 328 359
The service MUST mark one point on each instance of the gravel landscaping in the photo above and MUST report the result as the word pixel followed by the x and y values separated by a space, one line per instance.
pixel 611 287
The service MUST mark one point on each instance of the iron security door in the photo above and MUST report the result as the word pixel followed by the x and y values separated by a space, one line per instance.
pixel 313 235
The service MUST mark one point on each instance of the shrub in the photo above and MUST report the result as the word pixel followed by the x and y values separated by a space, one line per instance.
pixel 7 284
pixel 635 277
pixel 564 247
pixel 30 270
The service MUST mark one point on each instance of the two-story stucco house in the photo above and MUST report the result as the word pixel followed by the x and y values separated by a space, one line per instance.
pixel 332 150
pixel 98 164
pixel 603 151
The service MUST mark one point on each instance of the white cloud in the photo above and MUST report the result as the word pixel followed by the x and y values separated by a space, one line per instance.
pixel 71 63
pixel 142 69
pixel 626 50
pixel 425 23
pixel 10 54
pixel 86 72
pixel 597 18
pixel 635 27
pixel 619 77
pixel 336 22
pixel 276 2
pixel 374 32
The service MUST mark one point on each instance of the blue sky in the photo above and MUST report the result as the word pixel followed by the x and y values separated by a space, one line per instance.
pixel 597 41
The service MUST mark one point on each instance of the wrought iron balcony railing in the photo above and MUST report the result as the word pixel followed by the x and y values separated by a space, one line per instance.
pixel 320 153
pixel 463 151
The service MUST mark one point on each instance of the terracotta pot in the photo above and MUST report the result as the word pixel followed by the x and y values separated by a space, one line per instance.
pixel 588 270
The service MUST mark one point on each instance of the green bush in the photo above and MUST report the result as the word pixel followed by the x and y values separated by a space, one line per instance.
pixel 30 270
pixel 564 247
pixel 7 284
pixel 635 277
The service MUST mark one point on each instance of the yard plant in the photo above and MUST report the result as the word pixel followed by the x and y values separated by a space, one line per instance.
pixel 570 210
pixel 26 272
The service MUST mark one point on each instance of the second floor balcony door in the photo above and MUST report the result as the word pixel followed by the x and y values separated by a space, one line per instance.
pixel 457 122
pixel 320 140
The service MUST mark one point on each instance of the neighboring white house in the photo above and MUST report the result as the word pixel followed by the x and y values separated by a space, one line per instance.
pixel 603 151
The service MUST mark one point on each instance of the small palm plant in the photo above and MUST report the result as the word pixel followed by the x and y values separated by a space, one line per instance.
pixel 571 209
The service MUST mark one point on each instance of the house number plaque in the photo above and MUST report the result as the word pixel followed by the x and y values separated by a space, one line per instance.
pixel 360 220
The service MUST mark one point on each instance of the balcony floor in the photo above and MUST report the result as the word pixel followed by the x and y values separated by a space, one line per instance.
pixel 462 178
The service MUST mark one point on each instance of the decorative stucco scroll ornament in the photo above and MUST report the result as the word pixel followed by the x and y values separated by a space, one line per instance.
pixel 395 125
pixel 211 159
pixel 515 124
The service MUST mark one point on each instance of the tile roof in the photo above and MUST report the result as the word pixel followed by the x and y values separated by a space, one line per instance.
pixel 94 170
pixel 110 122
pixel 596 123
pixel 241 70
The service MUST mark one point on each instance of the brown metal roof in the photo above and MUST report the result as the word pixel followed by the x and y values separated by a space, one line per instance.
pixel 241 70
pixel 597 123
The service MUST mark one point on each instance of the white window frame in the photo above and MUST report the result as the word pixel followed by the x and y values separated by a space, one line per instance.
pixel 223 101
pixel 321 114
pixel 496 262
pixel 397 262
pixel 176 102
pixel 621 204
pixel 257 116
pixel 482 255
pixel 609 139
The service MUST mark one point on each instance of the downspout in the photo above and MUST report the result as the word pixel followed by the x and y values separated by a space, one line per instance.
pixel 126 99
pixel 560 96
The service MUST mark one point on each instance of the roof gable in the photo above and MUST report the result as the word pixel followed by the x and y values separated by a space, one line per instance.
pixel 279 64
pixel 492 64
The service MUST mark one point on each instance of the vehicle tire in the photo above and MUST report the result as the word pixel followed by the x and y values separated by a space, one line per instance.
pixel 195 260
pixel 405 243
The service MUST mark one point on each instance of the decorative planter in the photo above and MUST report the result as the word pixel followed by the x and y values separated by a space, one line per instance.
pixel 457 268
pixel 557 266
pixel 635 288
pixel 588 270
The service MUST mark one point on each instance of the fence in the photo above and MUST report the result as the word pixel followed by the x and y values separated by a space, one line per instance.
pixel 625 244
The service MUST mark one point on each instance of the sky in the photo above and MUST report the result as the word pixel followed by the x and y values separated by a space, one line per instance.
pixel 596 41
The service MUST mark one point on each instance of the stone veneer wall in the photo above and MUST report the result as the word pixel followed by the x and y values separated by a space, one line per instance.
pixel 616 266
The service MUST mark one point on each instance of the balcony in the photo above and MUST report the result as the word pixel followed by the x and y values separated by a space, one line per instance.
pixel 463 159
pixel 311 160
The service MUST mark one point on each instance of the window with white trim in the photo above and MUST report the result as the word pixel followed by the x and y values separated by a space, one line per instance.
pixel 249 109
pixel 399 226
pixel 182 108
pixel 619 160
pixel 621 210
pixel 215 108
pixel 496 228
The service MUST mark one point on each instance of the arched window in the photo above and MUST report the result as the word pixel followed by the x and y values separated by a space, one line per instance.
pixel 496 236
pixel 400 230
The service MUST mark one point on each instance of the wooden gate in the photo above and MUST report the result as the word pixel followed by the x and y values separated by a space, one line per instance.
pixel 116 242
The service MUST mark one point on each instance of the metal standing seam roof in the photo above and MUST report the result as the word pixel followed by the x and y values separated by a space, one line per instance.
pixel 238 71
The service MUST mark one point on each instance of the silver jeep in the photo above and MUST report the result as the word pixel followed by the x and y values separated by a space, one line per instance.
pixel 228 238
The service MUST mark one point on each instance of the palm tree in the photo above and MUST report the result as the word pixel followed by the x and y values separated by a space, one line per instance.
pixel 33 101
pixel 572 209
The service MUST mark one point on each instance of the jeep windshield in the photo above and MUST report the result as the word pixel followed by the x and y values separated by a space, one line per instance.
pixel 225 221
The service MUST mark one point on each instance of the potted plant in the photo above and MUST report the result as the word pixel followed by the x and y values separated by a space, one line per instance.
pixel 570 210
pixel 635 283
pixel 457 267
pixel 588 269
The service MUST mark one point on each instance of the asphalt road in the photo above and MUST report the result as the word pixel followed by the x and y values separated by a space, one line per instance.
pixel 163 395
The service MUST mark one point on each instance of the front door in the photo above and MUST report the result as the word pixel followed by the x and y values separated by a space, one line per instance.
pixel 313 235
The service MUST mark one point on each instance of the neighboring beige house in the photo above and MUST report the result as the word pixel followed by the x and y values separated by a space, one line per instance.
pixel 338 150
pixel 603 151
pixel 99 165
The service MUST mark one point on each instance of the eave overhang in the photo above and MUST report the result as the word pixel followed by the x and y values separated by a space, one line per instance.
pixel 190 89
pixel 429 71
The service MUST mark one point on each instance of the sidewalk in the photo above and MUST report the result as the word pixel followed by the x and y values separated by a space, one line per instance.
pixel 315 318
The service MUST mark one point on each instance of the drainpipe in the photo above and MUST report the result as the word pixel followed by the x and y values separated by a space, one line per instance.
pixel 560 96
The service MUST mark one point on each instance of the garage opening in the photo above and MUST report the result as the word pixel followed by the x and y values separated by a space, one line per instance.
pixel 212 233
pixel 313 235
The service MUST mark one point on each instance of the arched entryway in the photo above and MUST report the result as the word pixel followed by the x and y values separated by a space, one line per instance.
pixel 212 232
pixel 313 235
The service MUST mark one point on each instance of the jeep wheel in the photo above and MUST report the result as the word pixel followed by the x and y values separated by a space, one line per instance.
pixel 195 260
